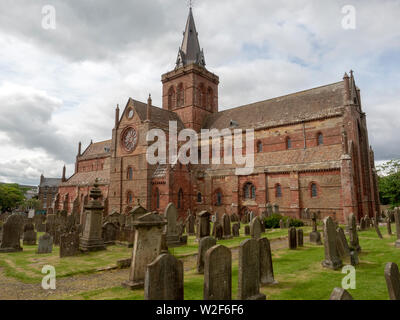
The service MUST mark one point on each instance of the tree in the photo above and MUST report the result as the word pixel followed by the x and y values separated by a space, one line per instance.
pixel 31 204
pixel 389 183
pixel 10 196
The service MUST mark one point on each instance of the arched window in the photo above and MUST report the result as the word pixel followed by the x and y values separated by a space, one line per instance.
pixel 218 197
pixel 314 190
pixel 129 198
pixel 249 191
pixel 171 98
pixel 210 98
pixel 180 199
pixel 259 146
pixel 278 191
pixel 130 173
pixel 199 197
pixel 157 198
pixel 320 139
pixel 288 143
pixel 180 96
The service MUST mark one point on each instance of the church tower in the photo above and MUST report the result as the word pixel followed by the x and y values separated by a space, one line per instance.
pixel 190 90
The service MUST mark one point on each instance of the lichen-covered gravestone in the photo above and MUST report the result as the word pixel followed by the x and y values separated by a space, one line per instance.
pixel 204 244
pixel 255 228
pixel 292 237
pixel 69 244
pixel 164 279
pixel 247 230
pixel 332 259
pixel 12 228
pixel 249 271
pixel 203 224
pixel 45 244
pixel 171 215
pixel 300 238
pixel 236 230
pixel 29 235
pixel 266 267
pixel 147 244
pixel 392 277
pixel 341 243
pixel 226 221
pixel 340 294
pixel 218 274
pixel 353 235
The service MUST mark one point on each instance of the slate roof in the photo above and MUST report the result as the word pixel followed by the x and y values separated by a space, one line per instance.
pixel 88 178
pixel 314 103
pixel 50 182
pixel 97 150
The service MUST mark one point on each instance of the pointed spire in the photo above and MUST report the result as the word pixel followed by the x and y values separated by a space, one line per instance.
pixel 149 103
pixel 190 51
pixel 63 179
pixel 117 116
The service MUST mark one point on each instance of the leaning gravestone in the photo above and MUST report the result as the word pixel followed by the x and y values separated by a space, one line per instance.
pixel 164 279
pixel 10 241
pixel 292 237
pixel 29 235
pixel 255 228
pixel 203 225
pixel 341 243
pixel 226 221
pixel 204 244
pixel 300 238
pixel 392 277
pixel 236 230
pixel 332 259
pixel 340 294
pixel 146 247
pixel 249 271
pixel 69 244
pixel 354 242
pixel 45 244
pixel 218 274
pixel 397 220
pixel 266 267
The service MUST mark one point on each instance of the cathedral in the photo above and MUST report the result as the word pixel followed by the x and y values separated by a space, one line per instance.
pixel 311 150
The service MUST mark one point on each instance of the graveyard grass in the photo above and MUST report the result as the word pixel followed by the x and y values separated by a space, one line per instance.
pixel 299 272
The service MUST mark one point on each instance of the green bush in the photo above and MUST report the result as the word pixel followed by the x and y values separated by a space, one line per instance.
pixel 272 222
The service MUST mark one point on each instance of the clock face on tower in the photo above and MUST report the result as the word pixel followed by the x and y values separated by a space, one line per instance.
pixel 129 139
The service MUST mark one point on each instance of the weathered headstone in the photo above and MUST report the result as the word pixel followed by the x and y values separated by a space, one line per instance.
pixel 164 279
pixel 109 233
pixel 236 230
pixel 255 228
pixel 146 247
pixel 249 271
pixel 204 244
pixel 69 244
pixel 219 232
pixel 190 228
pixel 247 230
pixel 292 238
pixel 315 236
pixel 45 244
pixel 281 224
pixel 300 238
pixel 354 258
pixel 171 215
pixel 226 221
pixel 375 224
pixel 397 221
pixel 332 259
pixel 269 210
pixel 353 235
pixel 392 277
pixel 266 267
pixel 340 294
pixel 341 243
pixel 214 228
pixel 389 226
pixel 91 239
pixel 218 274
pixel 362 224
pixel 203 224
pixel 11 235
pixel 29 235
pixel 262 224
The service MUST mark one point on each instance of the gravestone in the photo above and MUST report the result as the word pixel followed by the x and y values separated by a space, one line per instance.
pixel 397 221
pixel 262 224
pixel 109 233
pixel 315 235
pixel 341 243
pixel 171 215
pixel 204 244
pixel 375 224
pixel 250 217
pixel 11 236
pixel 226 221
pixel 190 225
pixel 236 230
pixel 91 239
pixel 266 267
pixel 300 238
pixel 255 228
pixel 69 244
pixel 214 229
pixel 146 247
pixel 332 259
pixel 164 279
pixel 29 235
pixel 247 230
pixel 203 229
pixel 249 271
pixel 234 217
pixel 389 226
pixel 219 232
pixel 292 237
pixel 340 294
pixel 367 221
pixel 45 244
pixel 392 277
pixel 353 235
pixel 218 274
pixel 362 224
pixel 281 224
pixel 354 258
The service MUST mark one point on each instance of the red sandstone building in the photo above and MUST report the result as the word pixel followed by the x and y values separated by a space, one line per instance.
pixel 311 150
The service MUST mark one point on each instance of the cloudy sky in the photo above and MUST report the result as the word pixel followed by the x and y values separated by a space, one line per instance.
pixel 60 86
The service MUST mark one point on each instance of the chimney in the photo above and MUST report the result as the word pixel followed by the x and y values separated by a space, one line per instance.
pixel 117 116
pixel 346 87
pixel 63 179
pixel 79 149
pixel 149 102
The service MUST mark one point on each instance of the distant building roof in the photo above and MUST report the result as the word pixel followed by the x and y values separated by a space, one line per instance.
pixel 49 182
pixel 97 150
